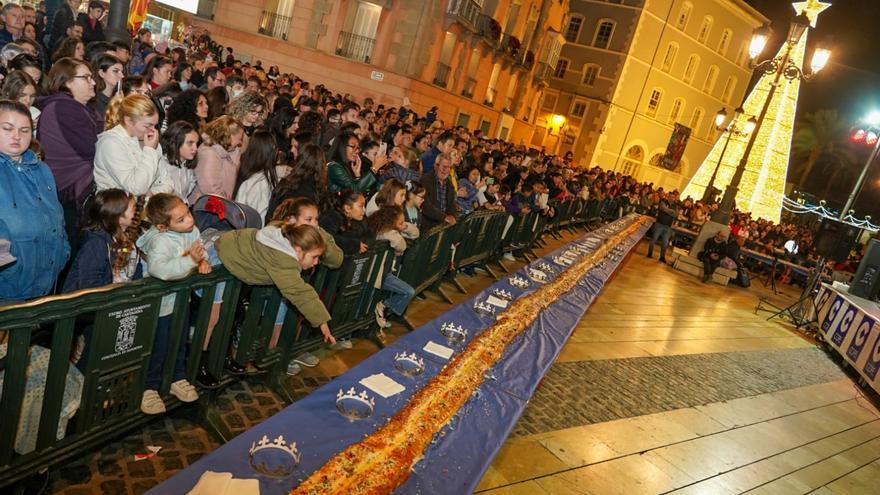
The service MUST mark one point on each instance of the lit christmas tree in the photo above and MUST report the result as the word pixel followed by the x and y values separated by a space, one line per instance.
pixel 763 183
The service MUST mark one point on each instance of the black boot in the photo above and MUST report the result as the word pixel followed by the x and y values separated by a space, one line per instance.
pixel 233 368
pixel 206 379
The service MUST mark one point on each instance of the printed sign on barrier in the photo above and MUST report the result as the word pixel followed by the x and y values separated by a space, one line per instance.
pixel 860 338
pixel 833 313
pixel 843 325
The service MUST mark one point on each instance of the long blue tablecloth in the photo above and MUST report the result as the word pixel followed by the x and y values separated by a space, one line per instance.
pixel 462 451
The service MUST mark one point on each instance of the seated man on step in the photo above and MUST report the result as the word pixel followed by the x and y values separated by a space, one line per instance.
pixel 714 249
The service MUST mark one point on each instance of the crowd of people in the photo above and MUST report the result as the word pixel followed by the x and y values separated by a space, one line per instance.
pixel 112 153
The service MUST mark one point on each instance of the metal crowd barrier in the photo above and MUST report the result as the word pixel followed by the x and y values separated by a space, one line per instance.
pixel 44 421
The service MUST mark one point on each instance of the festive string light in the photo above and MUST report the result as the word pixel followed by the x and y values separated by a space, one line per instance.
pixel 762 186
pixel 798 208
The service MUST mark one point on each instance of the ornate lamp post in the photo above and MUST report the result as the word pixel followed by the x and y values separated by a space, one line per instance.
pixel 783 67
pixel 732 129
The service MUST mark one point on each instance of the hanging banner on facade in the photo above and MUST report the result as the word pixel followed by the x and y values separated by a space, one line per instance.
pixel 677 144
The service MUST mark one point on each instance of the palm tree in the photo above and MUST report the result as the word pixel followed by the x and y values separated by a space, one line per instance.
pixel 823 134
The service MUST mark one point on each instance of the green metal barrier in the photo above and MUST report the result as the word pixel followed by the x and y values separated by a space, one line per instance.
pixel 477 234
pixel 123 319
pixel 427 260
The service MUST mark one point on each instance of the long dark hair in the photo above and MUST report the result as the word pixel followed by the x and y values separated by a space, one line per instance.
pixel 279 124
pixel 343 199
pixel 172 139
pixel 260 157
pixel 338 152
pixel 184 107
pixel 217 100
pixel 105 210
pixel 309 172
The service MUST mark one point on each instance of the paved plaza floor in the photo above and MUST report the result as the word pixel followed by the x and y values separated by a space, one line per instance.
pixel 667 385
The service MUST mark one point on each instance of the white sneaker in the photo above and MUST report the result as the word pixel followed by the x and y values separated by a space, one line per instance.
pixel 151 403
pixel 184 391
pixel 380 315
pixel 293 369
pixel 306 359
pixel 509 257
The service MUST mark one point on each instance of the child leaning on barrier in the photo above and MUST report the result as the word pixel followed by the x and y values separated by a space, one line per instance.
pixel 277 255
pixel 302 211
pixel 173 251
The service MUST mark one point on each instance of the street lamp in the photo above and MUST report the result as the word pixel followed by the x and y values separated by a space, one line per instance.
pixel 732 129
pixel 782 66
pixel 872 126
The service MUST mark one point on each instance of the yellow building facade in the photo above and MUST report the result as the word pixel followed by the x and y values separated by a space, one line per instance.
pixel 484 63
pixel 631 70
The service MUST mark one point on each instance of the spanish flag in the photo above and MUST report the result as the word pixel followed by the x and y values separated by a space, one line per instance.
pixel 137 14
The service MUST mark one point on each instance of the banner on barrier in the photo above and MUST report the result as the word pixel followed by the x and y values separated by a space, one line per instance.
pixel 851 330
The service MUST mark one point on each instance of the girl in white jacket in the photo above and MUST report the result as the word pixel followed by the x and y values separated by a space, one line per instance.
pixel 180 145
pixel 127 154
pixel 173 251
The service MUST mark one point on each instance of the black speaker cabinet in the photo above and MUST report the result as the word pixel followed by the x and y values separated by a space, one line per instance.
pixel 866 283
pixel 835 239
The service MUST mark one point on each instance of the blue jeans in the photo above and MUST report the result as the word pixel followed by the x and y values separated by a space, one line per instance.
pixel 401 294
pixel 663 233
pixel 160 349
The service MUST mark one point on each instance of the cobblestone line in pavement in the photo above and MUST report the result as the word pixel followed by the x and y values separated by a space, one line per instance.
pixel 585 392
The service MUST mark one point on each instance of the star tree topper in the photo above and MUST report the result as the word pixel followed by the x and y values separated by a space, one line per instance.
pixel 812 8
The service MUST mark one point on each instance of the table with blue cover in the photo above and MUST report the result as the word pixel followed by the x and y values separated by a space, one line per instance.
pixel 461 452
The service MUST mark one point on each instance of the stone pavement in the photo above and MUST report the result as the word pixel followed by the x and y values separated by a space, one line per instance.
pixel 586 392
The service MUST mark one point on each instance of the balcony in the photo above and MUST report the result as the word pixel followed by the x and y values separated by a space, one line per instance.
pixel 469 85
pixel 355 47
pixel 542 72
pixel 489 29
pixel 442 77
pixel 510 46
pixel 274 25
pixel 467 12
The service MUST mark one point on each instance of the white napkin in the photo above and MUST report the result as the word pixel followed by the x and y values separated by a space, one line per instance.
pixel 212 483
pixel 382 385
pixel 494 301
pixel 438 350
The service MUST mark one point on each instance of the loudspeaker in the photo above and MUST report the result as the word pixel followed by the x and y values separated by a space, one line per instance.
pixel 834 239
pixel 866 283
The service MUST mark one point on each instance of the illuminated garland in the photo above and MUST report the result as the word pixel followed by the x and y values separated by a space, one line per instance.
pixel 820 210
pixel 384 460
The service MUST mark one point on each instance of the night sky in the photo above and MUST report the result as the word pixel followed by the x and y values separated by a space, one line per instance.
pixel 851 81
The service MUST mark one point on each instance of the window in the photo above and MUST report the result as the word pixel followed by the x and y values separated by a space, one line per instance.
pixel 633 160
pixel 697 119
pixel 591 73
pixel 677 110
pixel 683 16
pixel 691 69
pixel 654 102
pixel 724 44
pixel 561 67
pixel 729 86
pixel 603 34
pixel 742 58
pixel 463 120
pixel 578 109
pixel 669 59
pixel 711 77
pixel 705 29
pixel 573 30
pixel 549 102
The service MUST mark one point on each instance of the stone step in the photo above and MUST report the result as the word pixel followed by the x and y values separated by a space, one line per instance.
pixel 693 266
